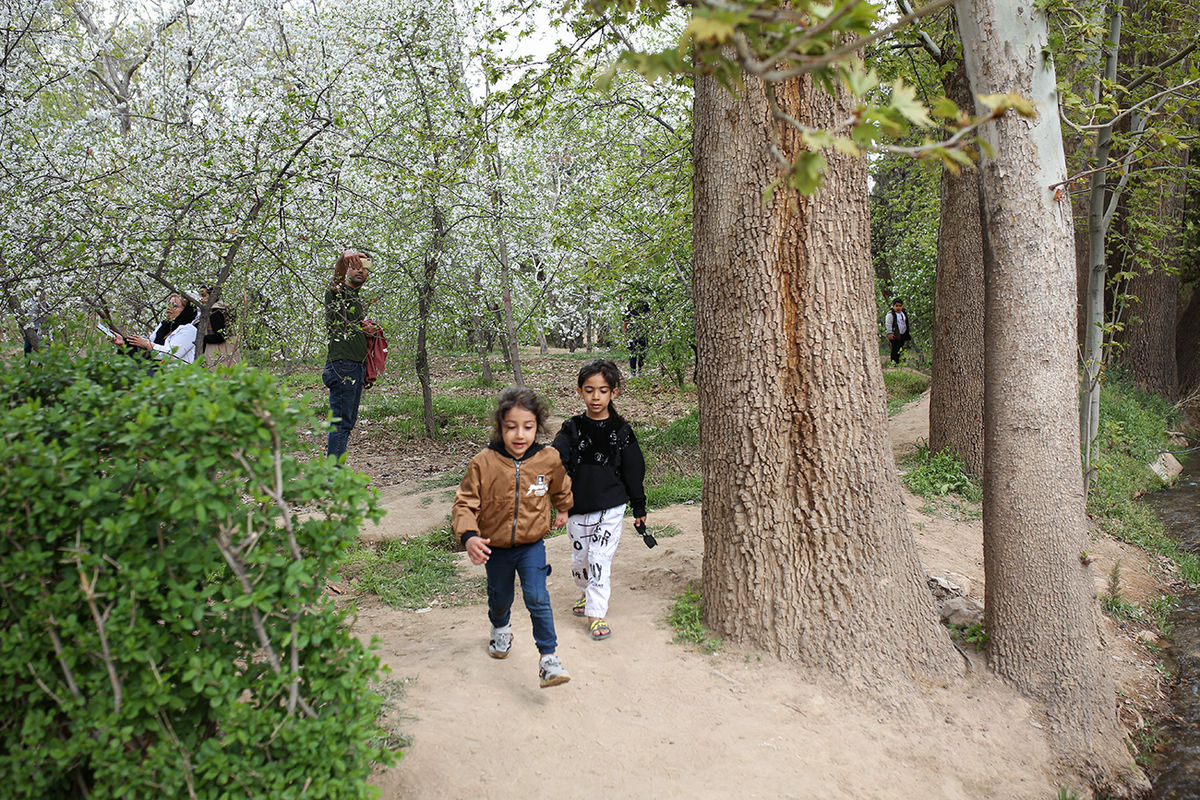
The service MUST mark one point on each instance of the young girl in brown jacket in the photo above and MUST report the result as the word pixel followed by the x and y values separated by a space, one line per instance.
pixel 501 515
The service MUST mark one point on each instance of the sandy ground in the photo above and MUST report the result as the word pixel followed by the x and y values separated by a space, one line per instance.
pixel 645 717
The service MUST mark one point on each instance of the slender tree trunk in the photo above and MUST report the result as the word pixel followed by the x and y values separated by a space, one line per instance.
pixel 1040 610
pixel 424 309
pixel 959 334
pixel 478 335
pixel 510 327
pixel 807 549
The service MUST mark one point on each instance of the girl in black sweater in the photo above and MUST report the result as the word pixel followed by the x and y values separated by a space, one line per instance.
pixel 606 466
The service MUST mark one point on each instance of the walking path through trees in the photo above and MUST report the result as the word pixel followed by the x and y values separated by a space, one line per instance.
pixel 646 717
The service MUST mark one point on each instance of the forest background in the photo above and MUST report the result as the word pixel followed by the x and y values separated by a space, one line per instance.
pixel 505 200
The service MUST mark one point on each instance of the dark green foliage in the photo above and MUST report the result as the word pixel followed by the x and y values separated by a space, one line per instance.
pixel 687 618
pixel 165 631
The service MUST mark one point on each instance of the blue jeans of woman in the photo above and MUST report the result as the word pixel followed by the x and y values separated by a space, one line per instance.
pixel 529 562
pixel 344 379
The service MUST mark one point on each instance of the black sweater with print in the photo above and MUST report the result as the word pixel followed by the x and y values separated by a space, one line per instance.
pixel 605 464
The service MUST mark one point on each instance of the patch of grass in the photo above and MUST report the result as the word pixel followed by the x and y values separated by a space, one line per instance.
pixel 1133 430
pixel 672 462
pixel 1160 612
pixel 1065 794
pixel 932 476
pixel 663 531
pixel 903 386
pixel 1145 743
pixel 392 691
pixel 441 480
pixel 456 416
pixel 672 488
pixel 411 573
pixel 687 618
pixel 1115 604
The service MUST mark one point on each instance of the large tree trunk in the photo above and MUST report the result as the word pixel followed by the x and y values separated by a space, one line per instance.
pixel 807 549
pixel 959 337
pixel 1187 347
pixel 1040 610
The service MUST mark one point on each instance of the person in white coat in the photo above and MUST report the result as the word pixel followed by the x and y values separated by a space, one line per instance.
pixel 175 337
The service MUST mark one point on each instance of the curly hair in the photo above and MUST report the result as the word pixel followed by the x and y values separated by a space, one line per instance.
pixel 517 397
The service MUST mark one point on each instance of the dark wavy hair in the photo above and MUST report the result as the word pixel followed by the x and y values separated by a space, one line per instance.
pixel 517 397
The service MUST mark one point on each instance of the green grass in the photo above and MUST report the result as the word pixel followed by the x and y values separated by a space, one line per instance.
pixel 455 416
pixel 672 462
pixel 662 531
pixel 1133 430
pixel 903 386
pixel 412 573
pixel 944 484
pixel 687 618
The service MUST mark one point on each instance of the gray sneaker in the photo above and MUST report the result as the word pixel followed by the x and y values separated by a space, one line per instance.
pixel 551 671
pixel 501 643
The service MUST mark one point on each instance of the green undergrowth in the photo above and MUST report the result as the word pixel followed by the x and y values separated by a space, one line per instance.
pixel 672 462
pixel 943 483
pixel 1133 431
pixel 903 386
pixel 455 416
pixel 687 618
pixel 412 573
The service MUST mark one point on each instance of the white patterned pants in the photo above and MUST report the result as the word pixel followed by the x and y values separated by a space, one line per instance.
pixel 594 538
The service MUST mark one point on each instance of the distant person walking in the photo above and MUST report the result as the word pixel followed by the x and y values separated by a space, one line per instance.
pixel 896 326
pixel 345 359
pixel 502 514
pixel 636 325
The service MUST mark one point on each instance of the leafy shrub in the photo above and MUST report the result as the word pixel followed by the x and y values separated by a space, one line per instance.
pixel 687 618
pixel 940 474
pixel 165 631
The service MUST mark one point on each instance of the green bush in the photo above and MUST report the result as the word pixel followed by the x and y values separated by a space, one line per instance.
pixel 941 474
pixel 903 386
pixel 165 630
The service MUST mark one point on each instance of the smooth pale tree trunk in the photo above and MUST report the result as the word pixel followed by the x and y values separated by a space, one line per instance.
pixel 959 335
pixel 808 553
pixel 1093 339
pixel 1040 608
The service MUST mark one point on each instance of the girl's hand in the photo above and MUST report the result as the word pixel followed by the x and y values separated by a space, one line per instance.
pixel 560 521
pixel 139 341
pixel 640 520
pixel 118 340
pixel 478 550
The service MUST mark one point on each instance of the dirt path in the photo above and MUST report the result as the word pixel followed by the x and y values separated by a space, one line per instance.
pixel 644 717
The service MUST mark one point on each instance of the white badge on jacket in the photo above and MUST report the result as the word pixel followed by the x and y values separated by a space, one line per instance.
pixel 538 489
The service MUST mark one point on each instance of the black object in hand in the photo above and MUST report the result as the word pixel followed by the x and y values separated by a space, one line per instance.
pixel 640 527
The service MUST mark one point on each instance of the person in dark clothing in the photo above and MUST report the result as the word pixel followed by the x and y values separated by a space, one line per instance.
pixel 607 469
pixel 636 328
pixel 346 356
pixel 896 326
pixel 216 322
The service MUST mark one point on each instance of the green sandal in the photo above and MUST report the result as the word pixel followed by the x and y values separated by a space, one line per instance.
pixel 579 608
pixel 599 629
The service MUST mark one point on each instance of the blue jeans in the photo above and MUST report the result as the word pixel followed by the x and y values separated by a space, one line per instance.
pixel 344 380
pixel 529 562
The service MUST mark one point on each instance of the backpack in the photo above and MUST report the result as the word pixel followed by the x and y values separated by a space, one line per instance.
pixel 572 431
pixel 377 349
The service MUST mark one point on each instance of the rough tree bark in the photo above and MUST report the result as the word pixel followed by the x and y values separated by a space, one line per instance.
pixel 808 553
pixel 1040 609
pixel 959 335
